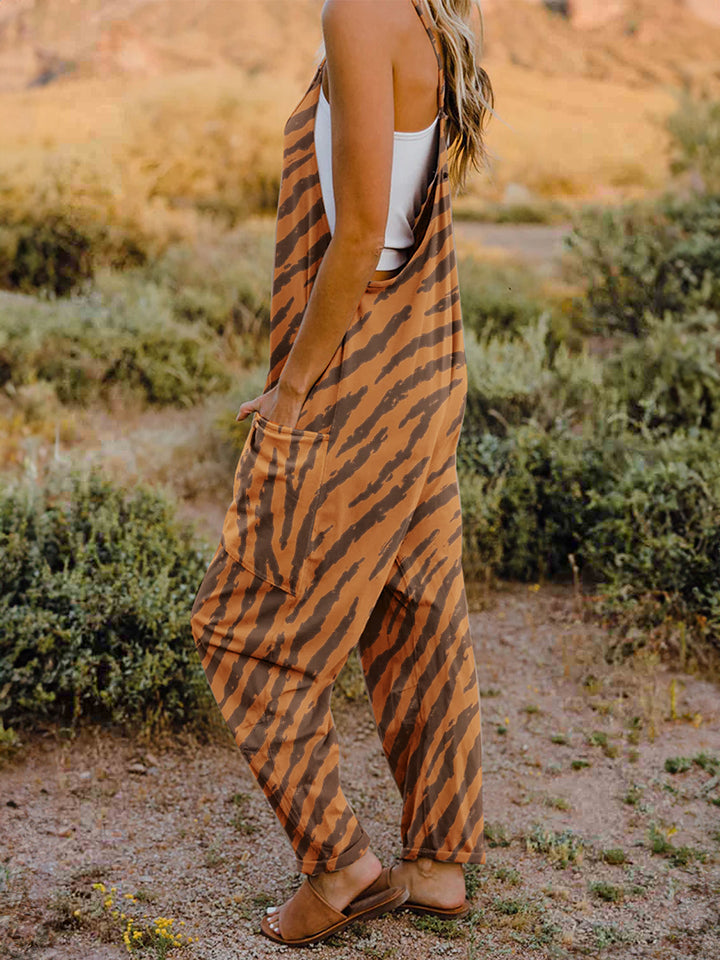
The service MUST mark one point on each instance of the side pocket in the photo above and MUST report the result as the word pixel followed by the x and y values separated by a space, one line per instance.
pixel 278 486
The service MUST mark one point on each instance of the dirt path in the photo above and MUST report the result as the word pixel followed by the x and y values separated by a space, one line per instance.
pixel 568 775
pixel 539 245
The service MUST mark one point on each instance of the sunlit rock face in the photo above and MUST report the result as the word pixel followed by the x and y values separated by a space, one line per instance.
pixel 708 10
pixel 586 14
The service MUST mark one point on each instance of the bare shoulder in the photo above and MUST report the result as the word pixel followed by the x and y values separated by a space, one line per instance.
pixel 376 20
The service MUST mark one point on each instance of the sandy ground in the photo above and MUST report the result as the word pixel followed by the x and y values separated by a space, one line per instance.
pixel 537 244
pixel 574 765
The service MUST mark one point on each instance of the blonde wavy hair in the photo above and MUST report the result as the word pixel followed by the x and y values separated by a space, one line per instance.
pixel 469 97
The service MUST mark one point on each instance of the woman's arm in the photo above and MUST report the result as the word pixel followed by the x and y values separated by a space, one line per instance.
pixel 359 48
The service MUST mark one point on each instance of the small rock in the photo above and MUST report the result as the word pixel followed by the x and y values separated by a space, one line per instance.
pixel 65 831
pixel 137 768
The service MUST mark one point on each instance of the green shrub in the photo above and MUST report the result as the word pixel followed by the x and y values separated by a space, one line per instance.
pixel 670 378
pixel 498 300
pixel 52 256
pixel 527 498
pixel 638 261
pixel 655 539
pixel 694 130
pixel 96 588
pixel 224 285
pixel 511 381
pixel 122 333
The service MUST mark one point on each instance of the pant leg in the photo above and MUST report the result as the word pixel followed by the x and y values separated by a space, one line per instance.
pixel 420 672
pixel 274 692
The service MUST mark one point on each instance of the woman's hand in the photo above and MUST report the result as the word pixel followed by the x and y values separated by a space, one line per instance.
pixel 275 405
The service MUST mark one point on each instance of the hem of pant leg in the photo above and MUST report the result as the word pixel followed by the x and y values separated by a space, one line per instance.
pixel 444 856
pixel 312 868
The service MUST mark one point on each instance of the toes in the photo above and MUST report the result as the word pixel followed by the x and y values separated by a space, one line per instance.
pixel 271 910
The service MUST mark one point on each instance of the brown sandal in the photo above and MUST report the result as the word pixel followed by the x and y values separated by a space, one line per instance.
pixel 383 882
pixel 307 917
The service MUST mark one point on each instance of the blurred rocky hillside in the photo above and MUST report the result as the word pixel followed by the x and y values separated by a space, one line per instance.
pixel 633 42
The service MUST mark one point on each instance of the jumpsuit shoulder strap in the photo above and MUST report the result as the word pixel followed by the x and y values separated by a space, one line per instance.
pixel 421 11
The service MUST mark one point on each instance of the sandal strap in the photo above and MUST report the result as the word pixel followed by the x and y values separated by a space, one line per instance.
pixel 380 884
pixel 307 913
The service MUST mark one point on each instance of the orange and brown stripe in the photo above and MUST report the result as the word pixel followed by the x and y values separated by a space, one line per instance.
pixel 345 532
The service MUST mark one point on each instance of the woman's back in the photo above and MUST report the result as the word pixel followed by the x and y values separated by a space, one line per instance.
pixel 414 66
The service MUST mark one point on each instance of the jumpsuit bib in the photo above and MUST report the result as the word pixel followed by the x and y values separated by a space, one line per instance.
pixel 345 531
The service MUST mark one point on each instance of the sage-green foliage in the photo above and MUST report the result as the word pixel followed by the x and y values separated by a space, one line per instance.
pixel 656 534
pixel 607 461
pixel 514 379
pixel 527 498
pixel 640 261
pixel 96 588
pixel 498 299
pixel 694 129
pixel 223 286
pixel 121 335
pixel 670 378
pixel 641 515
pixel 170 331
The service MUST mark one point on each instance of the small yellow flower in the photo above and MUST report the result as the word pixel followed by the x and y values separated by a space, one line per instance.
pixel 100 887
pixel 76 913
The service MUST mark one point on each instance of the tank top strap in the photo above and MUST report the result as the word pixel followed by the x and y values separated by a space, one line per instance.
pixel 422 13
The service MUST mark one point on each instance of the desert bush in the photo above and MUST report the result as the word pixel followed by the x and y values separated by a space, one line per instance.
pixel 120 335
pixel 224 285
pixel 52 256
pixel 528 498
pixel 638 261
pixel 655 538
pixel 694 130
pixel 669 379
pixel 96 587
pixel 499 300
pixel 640 513
pixel 511 380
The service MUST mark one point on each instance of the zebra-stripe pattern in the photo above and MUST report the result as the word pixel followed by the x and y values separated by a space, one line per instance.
pixel 345 531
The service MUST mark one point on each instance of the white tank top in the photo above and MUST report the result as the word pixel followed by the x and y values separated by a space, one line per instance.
pixel 414 159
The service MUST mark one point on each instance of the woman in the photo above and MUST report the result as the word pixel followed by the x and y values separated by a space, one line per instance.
pixel 345 525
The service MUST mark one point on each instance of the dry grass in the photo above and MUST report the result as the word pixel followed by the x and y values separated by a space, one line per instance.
pixel 588 138
pixel 160 158
pixel 157 159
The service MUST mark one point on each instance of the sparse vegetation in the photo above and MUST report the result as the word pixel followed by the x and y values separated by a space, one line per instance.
pixel 560 849
pixel 607 891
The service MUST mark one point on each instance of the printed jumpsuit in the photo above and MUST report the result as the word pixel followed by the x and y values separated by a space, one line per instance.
pixel 345 531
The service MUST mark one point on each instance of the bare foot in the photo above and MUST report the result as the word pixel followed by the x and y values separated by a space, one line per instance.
pixel 430 882
pixel 340 886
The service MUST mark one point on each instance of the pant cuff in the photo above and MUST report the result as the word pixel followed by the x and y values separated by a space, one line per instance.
pixel 312 867
pixel 444 856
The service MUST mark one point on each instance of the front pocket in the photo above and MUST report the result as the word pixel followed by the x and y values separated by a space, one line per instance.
pixel 278 486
